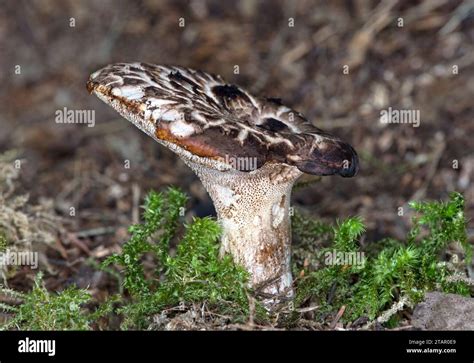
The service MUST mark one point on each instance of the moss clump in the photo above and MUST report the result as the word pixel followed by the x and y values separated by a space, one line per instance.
pixel 195 273
pixel 401 269
pixel 40 309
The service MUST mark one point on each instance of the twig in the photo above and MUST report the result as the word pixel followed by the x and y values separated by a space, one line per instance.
pixel 402 328
pixel 78 243
pixel 422 9
pixel 136 201
pixel 363 39
pixel 94 232
pixel 387 314
pixel 460 13
pixel 60 248
pixel 338 316
pixel 307 309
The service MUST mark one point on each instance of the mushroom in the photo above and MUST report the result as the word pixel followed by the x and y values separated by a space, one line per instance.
pixel 247 151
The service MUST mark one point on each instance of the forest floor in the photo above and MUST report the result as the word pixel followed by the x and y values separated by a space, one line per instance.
pixel 401 54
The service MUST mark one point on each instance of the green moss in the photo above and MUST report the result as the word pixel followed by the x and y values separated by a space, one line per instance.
pixel 157 276
pixel 408 268
pixel 42 310
pixel 195 273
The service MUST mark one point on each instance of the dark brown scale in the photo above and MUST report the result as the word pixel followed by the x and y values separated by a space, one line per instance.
pixel 179 90
pixel 273 125
pixel 178 87
pixel 180 78
pixel 277 152
pixel 135 69
pixel 230 92
pixel 155 92
pixel 152 74
pixel 210 101
pixel 132 81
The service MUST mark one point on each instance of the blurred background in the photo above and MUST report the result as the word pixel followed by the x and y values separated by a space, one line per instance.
pixel 415 55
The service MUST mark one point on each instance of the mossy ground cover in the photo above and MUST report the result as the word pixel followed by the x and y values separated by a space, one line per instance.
pixel 158 277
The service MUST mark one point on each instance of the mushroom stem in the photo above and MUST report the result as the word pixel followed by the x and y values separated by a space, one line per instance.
pixel 253 210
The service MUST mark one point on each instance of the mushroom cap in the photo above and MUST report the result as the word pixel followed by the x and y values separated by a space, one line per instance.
pixel 199 115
